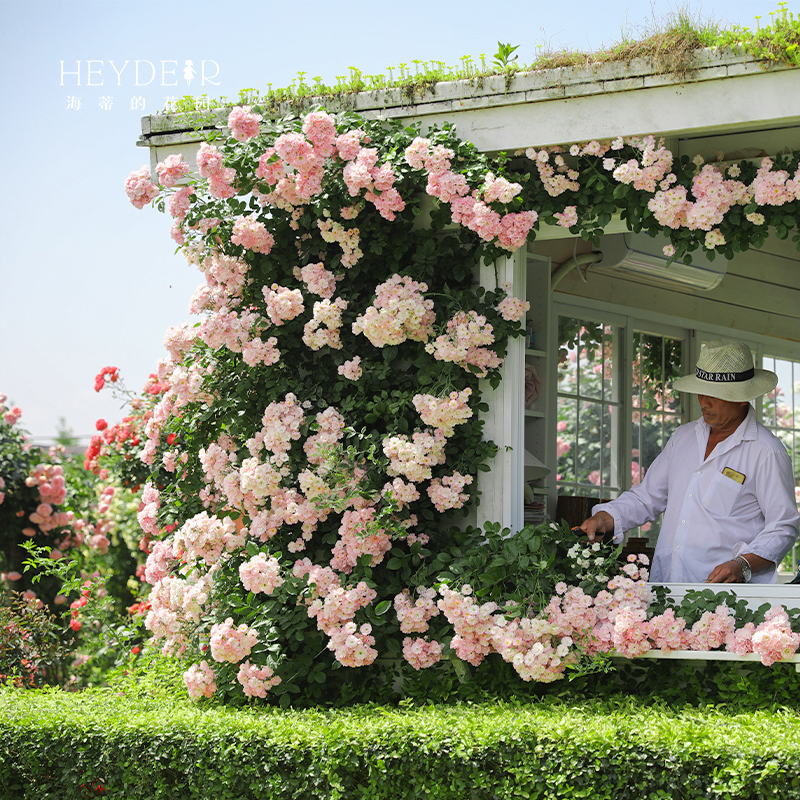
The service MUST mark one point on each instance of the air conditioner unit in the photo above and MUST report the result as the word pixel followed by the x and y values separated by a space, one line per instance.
pixel 641 257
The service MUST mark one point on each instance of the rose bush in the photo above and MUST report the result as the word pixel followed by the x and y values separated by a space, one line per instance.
pixel 69 548
pixel 324 413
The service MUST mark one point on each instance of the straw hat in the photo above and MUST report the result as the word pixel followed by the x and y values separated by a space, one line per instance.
pixel 725 370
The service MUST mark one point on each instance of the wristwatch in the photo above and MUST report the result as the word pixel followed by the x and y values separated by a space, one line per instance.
pixel 745 565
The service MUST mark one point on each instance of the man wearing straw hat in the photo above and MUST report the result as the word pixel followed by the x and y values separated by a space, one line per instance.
pixel 723 482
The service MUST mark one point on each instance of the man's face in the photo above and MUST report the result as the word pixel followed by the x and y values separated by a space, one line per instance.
pixel 721 415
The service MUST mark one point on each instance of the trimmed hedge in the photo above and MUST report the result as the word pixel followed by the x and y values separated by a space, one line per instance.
pixel 105 743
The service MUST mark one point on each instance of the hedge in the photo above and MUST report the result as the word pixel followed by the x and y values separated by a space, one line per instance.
pixel 107 743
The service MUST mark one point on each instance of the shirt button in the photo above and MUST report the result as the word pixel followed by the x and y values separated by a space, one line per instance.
pixel 689 495
pixel 683 522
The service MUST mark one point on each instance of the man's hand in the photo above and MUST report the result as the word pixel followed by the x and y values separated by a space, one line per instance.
pixel 731 571
pixel 601 522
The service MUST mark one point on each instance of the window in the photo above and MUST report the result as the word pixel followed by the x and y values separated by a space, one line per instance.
pixel 589 408
pixel 615 414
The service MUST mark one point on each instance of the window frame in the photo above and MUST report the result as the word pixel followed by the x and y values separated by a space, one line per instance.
pixel 627 324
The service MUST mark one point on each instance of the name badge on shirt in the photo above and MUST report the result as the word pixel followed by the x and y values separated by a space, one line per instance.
pixel 733 475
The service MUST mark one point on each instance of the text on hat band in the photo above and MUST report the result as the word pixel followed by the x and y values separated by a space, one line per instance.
pixel 724 377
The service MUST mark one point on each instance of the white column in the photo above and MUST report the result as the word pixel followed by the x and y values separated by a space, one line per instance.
pixel 501 488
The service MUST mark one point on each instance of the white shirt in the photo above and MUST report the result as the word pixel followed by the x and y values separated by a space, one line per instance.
pixel 709 518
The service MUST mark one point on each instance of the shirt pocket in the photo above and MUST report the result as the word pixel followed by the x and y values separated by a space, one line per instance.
pixel 721 495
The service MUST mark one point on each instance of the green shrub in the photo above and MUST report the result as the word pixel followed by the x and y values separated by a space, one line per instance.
pixel 146 744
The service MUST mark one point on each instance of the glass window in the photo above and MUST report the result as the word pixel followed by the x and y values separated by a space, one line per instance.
pixel 655 407
pixel 589 408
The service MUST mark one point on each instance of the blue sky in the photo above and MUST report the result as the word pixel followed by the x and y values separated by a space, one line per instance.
pixel 86 280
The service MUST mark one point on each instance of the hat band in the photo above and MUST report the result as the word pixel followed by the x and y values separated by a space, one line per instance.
pixel 725 377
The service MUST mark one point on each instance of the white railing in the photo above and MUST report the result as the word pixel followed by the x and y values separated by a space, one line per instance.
pixel 754 594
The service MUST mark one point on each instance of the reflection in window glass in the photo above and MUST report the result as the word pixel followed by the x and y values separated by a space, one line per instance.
pixel 655 406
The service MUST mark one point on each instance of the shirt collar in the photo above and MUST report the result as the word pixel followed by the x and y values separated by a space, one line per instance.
pixel 746 431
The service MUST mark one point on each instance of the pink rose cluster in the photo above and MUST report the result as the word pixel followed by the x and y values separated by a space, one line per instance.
pixel 295 166
pixel 330 429
pixel 256 681
pixel 446 493
pixel 359 535
pixel 11 416
pixel 567 218
pixel 444 412
pixel 243 123
pixel 334 609
pixel 260 574
pixel 200 680
pixel 556 175
pixel 317 279
pixel 231 643
pixel 465 341
pixel 206 538
pixel 413 617
pixel 512 309
pixel 160 562
pixel 148 509
pixel 421 653
pixel 176 605
pixel 178 207
pixel 172 169
pixel 280 426
pixel 509 230
pixel 648 171
pixel 402 493
pixel 499 190
pixel 352 645
pixel 714 196
pixel 351 369
pixel 362 173
pixel 140 188
pixel 347 238
pixel 399 312
pixel 251 233
pixel 282 304
pixel 48 480
pixel 775 188
pixel 414 457
pixel 322 330
pixel 220 178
